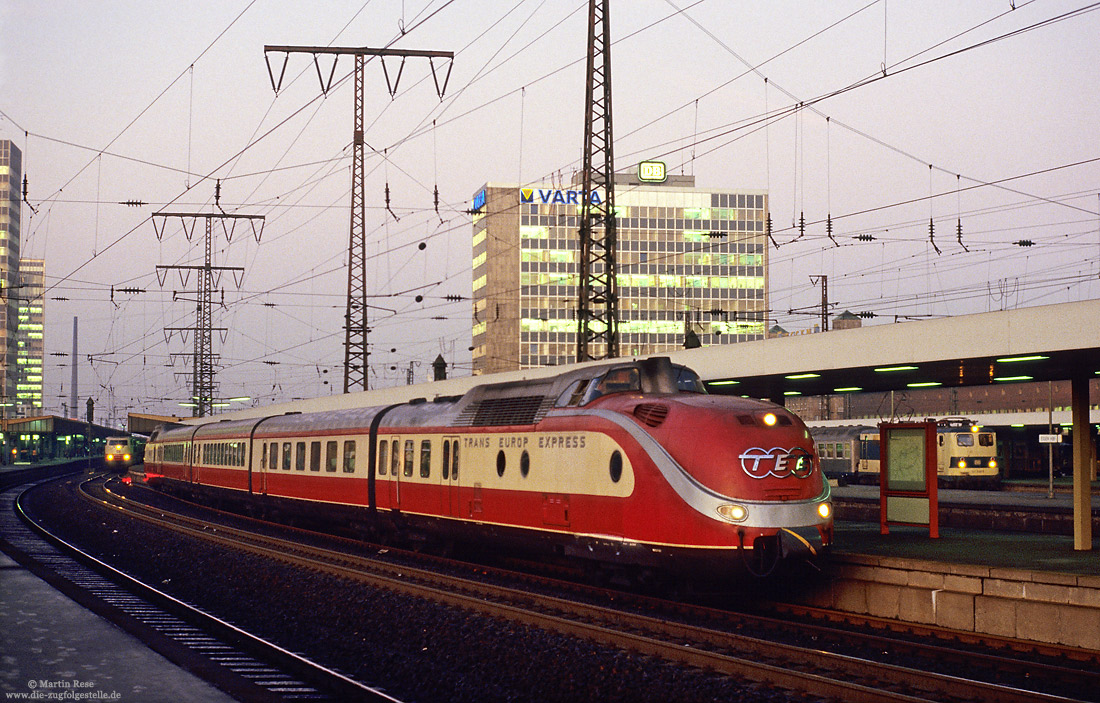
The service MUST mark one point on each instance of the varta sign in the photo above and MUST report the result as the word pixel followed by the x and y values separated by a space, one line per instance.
pixel 552 196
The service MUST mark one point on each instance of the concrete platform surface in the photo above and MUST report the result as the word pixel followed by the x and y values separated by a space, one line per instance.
pixel 51 645
pixel 1006 550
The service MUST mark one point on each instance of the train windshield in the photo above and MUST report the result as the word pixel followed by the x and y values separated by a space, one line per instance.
pixel 687 381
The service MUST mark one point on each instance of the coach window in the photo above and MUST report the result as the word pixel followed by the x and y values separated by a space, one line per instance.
pixel 274 456
pixel 349 456
pixel 300 456
pixel 395 457
pixel 616 466
pixel 332 447
pixel 383 457
pixel 314 456
pixel 524 464
pixel 410 449
pixel 446 459
pixel 502 463
pixel 286 456
pixel 425 458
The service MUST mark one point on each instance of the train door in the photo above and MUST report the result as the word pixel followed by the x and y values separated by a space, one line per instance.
pixel 396 467
pixel 449 484
pixel 269 464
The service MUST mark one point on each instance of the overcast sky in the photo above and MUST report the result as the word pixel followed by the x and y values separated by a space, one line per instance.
pixel 912 110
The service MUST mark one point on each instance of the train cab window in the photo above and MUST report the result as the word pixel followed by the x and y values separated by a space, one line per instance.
pixel 964 440
pixel 410 449
pixel 286 456
pixel 573 394
pixel 300 456
pixel 446 459
pixel 688 381
pixel 985 439
pixel 383 457
pixel 349 456
pixel 274 453
pixel 614 381
pixel 425 458
pixel 314 456
pixel 395 457
pixel 332 449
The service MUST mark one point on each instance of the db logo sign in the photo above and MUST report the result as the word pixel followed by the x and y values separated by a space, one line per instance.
pixel 778 462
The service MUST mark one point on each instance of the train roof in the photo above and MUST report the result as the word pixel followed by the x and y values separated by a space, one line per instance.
pixel 519 401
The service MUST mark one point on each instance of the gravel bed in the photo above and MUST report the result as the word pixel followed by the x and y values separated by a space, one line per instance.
pixel 414 649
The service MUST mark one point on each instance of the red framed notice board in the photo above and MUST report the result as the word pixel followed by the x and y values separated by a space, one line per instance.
pixel 907 478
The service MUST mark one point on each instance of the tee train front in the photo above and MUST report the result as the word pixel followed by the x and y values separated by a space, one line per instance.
pixel 625 464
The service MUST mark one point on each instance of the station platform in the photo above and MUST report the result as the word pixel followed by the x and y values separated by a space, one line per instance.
pixel 54 647
pixel 1027 585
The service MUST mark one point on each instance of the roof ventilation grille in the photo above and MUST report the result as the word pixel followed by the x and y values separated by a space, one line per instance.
pixel 652 414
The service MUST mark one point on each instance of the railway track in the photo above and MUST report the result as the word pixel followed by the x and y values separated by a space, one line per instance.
pixel 243 665
pixel 864 673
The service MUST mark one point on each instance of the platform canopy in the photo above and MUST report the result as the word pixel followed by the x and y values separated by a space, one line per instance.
pixel 1047 343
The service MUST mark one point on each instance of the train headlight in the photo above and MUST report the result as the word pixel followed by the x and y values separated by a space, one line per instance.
pixel 992 463
pixel 962 463
pixel 110 457
pixel 733 513
pixel 770 419
pixel 824 510
pixel 126 457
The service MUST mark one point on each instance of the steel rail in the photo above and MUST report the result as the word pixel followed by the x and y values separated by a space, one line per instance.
pixel 622 630
pixel 266 665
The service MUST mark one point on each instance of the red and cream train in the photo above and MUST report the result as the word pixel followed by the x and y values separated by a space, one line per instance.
pixel 627 464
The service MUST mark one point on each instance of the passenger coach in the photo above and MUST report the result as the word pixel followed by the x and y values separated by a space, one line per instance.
pixel 628 463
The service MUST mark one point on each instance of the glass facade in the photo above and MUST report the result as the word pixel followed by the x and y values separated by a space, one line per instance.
pixel 690 262
pixel 11 176
pixel 30 334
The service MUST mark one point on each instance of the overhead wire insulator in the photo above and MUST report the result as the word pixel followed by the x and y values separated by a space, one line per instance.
pixel 959 234
pixel 829 228
pixel 932 234
pixel 768 230
pixel 1024 243
pixel 865 237
pixel 801 225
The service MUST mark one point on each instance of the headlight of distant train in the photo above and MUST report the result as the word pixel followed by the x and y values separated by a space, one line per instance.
pixel 992 463
pixel 126 457
pixel 770 419
pixel 110 457
pixel 825 510
pixel 962 463
pixel 733 513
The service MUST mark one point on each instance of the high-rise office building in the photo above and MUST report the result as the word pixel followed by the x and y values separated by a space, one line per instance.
pixel 692 265
pixel 30 335
pixel 11 176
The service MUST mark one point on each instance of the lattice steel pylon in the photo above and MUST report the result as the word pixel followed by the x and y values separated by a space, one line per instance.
pixel 203 359
pixel 598 304
pixel 355 316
